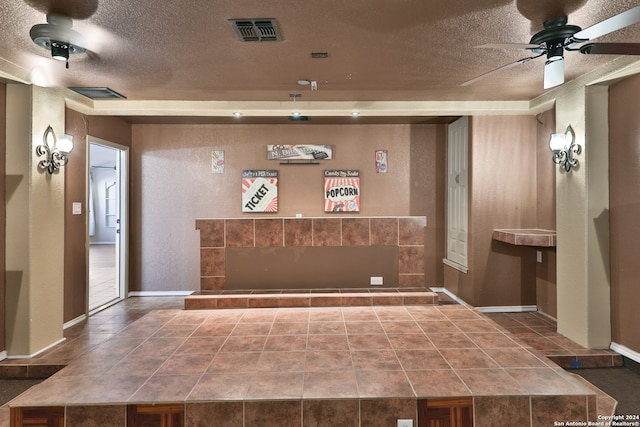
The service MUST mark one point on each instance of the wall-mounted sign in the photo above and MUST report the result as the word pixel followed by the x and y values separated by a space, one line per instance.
pixel 259 191
pixel 381 161
pixel 299 152
pixel 217 161
pixel 341 191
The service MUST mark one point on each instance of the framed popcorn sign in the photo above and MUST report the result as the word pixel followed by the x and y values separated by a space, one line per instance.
pixel 259 191
pixel 341 191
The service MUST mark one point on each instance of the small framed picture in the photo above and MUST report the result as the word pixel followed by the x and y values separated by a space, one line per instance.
pixel 381 161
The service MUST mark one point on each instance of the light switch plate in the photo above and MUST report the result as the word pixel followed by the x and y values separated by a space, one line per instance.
pixel 376 280
pixel 405 423
pixel 76 208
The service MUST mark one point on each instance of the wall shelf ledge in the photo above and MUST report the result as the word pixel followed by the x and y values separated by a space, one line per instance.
pixel 526 237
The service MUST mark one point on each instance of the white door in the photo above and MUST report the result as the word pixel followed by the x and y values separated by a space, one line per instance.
pixel 457 194
pixel 107 223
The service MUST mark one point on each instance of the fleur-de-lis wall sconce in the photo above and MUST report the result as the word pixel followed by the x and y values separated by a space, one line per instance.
pixel 55 151
pixel 564 148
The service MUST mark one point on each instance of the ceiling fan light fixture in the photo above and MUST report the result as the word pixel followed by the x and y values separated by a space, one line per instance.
pixel 58 37
pixel 59 51
pixel 553 72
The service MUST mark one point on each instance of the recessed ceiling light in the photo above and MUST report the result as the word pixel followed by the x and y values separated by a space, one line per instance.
pixel 355 113
pixel 237 113
pixel 295 113
pixel 304 82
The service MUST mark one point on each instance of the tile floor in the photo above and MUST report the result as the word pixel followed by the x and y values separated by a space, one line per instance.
pixel 539 331
pixel 123 356
pixel 103 287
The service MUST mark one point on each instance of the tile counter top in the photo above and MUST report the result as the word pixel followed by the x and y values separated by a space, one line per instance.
pixel 526 237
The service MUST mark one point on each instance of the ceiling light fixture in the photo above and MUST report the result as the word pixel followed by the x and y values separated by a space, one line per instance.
pixel 355 113
pixel 237 114
pixel 58 37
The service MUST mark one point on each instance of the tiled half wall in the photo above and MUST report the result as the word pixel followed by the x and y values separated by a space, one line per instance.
pixel 397 241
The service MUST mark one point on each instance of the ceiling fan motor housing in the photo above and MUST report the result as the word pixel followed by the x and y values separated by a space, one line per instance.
pixel 555 35
pixel 57 34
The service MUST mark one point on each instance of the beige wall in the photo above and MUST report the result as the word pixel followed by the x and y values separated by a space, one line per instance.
pixel 3 149
pixel 503 194
pixel 35 223
pixel 75 270
pixel 624 202
pixel 172 185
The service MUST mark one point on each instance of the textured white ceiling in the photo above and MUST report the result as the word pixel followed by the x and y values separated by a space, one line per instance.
pixel 378 49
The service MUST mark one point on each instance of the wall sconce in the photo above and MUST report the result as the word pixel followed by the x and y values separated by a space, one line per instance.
pixel 55 151
pixel 564 147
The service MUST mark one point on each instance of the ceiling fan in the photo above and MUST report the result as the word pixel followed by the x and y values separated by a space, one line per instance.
pixel 558 36
pixel 58 37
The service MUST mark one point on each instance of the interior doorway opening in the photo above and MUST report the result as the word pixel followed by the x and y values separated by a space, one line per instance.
pixel 106 231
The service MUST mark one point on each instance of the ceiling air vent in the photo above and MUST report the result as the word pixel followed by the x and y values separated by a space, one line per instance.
pixel 98 92
pixel 256 30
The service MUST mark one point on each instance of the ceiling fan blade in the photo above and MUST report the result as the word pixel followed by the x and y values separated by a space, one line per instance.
pixel 504 67
pixel 610 25
pixel 510 46
pixel 553 73
pixel 611 48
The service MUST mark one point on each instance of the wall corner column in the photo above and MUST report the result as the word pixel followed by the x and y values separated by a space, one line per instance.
pixel 35 224
pixel 582 220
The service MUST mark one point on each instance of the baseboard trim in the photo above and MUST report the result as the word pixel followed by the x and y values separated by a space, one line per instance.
pixel 29 356
pixel 450 294
pixel 507 309
pixel 625 351
pixel 160 293
pixel 75 321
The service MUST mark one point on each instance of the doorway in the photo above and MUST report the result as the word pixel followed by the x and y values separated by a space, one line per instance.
pixel 107 224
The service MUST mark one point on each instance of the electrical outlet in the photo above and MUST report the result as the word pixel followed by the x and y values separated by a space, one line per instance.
pixel 539 256
pixel 405 423
pixel 376 280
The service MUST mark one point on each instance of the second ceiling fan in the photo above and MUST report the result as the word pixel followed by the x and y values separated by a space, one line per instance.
pixel 558 37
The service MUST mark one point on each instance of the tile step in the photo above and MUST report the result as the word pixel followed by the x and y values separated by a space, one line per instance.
pixel 280 299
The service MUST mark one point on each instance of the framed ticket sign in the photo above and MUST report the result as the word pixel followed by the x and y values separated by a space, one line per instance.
pixel 259 191
pixel 341 191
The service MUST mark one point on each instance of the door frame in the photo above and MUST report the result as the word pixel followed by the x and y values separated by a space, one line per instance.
pixel 122 262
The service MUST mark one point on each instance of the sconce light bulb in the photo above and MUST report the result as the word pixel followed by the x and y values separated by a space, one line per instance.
pixel 65 144
pixel 557 142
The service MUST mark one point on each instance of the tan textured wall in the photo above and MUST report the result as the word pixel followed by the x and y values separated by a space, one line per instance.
pixel 75 267
pixel 3 149
pixel 35 223
pixel 624 203
pixel 172 184
pixel 502 163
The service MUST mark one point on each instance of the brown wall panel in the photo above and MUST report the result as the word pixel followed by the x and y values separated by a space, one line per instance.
pixel 310 267
pixel 75 269
pixel 172 185
pixel 624 205
pixel 546 292
pixel 502 194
